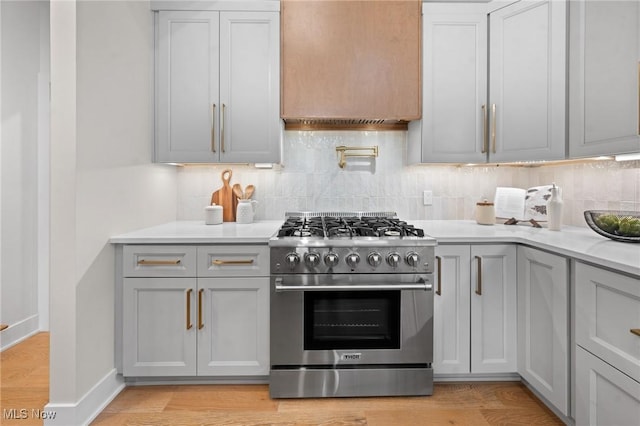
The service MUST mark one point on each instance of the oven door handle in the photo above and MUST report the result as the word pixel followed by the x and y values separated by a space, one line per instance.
pixel 421 285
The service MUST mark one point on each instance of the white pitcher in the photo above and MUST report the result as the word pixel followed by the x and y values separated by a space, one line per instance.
pixel 246 210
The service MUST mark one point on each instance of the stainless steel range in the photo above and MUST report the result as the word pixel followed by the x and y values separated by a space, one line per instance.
pixel 351 306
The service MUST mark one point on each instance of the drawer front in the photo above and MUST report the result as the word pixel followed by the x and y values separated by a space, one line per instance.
pixel 608 316
pixel 159 261
pixel 233 261
pixel 604 396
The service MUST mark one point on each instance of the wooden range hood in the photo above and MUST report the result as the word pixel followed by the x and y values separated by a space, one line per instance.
pixel 349 64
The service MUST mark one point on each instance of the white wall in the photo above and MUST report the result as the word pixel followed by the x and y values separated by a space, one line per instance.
pixel 24 54
pixel 102 180
pixel 310 179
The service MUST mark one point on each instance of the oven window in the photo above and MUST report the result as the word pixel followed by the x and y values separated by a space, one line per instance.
pixel 351 320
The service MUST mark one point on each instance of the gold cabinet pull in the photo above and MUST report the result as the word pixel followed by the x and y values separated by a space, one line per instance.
pixel 479 278
pixel 200 323
pixel 439 262
pixel 484 129
pixel 189 325
pixel 639 97
pixel 635 331
pixel 158 262
pixel 222 129
pixel 493 129
pixel 213 127
pixel 232 262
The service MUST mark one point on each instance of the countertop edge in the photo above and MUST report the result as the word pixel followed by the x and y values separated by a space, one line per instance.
pixel 574 242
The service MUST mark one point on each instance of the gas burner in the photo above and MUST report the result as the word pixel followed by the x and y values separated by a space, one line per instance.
pixel 347 226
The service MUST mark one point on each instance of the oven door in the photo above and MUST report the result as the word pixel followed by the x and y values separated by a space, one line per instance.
pixel 351 320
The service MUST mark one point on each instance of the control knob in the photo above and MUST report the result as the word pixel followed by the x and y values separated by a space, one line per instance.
pixel 412 259
pixel 331 259
pixel 311 260
pixel 292 260
pixel 393 259
pixel 352 260
pixel 374 259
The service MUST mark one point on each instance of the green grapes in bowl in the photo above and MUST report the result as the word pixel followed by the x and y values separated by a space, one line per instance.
pixel 617 225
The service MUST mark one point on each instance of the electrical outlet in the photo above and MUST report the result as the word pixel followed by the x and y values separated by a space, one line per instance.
pixel 427 198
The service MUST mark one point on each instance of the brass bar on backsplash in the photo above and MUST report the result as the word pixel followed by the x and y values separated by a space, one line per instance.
pixel 344 153
pixel 635 331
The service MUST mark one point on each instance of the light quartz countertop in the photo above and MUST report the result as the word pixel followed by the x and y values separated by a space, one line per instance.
pixel 575 242
pixel 196 232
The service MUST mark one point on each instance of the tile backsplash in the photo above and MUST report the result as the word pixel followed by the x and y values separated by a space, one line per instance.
pixel 309 178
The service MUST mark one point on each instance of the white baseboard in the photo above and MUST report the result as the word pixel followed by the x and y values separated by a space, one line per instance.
pixel 88 407
pixel 18 332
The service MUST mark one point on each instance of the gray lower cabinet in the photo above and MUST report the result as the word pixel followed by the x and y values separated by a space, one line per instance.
pixel 195 311
pixel 475 309
pixel 543 324
pixel 607 335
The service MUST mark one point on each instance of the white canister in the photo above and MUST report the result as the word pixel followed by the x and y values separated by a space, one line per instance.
pixel 245 211
pixel 485 213
pixel 213 215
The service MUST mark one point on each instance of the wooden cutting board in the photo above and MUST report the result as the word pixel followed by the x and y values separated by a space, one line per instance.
pixel 226 198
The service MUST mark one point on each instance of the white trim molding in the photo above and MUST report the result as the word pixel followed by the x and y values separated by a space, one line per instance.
pixel 88 407
pixel 19 331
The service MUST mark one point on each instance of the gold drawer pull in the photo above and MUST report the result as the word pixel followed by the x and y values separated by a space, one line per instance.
pixel 479 277
pixel 232 262
pixel 189 325
pixel 439 261
pixel 635 331
pixel 200 323
pixel 158 262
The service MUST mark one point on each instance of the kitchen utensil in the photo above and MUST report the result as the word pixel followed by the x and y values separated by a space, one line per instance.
pixel 213 215
pixel 248 191
pixel 237 190
pixel 246 211
pixel 226 198
pixel 617 225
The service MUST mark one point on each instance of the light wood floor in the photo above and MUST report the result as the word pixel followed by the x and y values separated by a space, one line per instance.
pixel 25 385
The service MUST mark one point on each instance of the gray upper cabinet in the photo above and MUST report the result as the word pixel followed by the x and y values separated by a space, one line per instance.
pixel 494 83
pixel 527 81
pixel 454 85
pixel 217 87
pixel 604 73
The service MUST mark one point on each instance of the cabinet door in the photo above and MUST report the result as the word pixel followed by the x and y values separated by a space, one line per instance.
pixel 493 309
pixel 604 395
pixel 527 81
pixel 543 327
pixel 604 74
pixel 607 316
pixel 250 87
pixel 451 334
pixel 233 326
pixel 455 83
pixel 187 86
pixel 159 337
